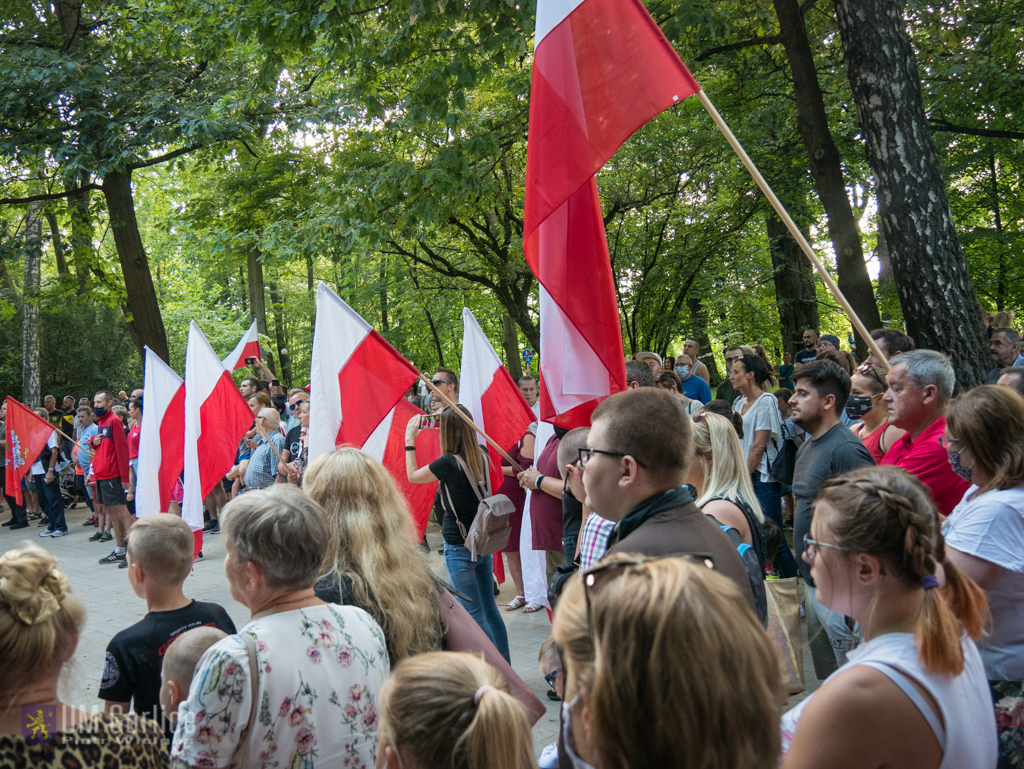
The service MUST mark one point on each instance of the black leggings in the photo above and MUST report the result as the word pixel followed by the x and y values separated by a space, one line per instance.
pixel 80 485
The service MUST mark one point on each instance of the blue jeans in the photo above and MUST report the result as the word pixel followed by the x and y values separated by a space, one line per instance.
pixel 770 498
pixel 476 580
pixel 51 502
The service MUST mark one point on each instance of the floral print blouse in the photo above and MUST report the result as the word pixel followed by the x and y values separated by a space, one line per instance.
pixel 321 670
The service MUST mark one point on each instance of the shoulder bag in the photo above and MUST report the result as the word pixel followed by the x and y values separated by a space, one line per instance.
pixel 490 529
pixel 240 760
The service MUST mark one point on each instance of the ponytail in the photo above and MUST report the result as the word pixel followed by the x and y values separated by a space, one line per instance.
pixel 888 513
pixel 450 709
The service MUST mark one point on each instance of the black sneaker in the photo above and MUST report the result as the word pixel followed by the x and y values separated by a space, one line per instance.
pixel 113 558
pixel 209 525
pixel 97 537
pixel 215 529
pixel 91 522
pixel 123 564
pixel 10 522
pixel 22 525
pixel 44 521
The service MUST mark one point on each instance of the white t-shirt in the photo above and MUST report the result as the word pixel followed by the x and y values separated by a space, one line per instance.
pixel 37 466
pixel 321 670
pixel 991 527
pixel 968 719
pixel 763 414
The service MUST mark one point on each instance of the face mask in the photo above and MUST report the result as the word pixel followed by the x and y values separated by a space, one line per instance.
pixel 100 412
pixel 567 740
pixel 682 371
pixel 858 405
pixel 959 469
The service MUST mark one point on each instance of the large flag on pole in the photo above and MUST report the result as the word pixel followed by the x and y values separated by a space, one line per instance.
pixel 487 390
pixel 216 418
pixel 601 69
pixel 162 438
pixel 357 397
pixel 27 435
pixel 248 347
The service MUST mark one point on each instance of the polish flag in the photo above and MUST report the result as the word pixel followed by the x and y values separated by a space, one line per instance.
pixel 27 435
pixel 357 397
pixel 247 347
pixel 487 390
pixel 601 69
pixel 162 439
pixel 216 418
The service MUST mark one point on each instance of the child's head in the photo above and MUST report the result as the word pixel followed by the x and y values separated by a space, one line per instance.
pixel 772 540
pixel 551 664
pixel 159 553
pixel 782 395
pixel 569 457
pixel 180 661
pixel 451 709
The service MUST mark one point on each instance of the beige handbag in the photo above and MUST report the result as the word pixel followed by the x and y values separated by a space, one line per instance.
pixel 240 760
pixel 784 629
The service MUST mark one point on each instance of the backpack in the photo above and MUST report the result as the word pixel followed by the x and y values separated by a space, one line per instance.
pixel 491 528
pixel 752 564
pixel 784 464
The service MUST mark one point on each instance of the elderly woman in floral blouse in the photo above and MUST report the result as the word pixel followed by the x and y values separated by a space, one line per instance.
pixel 320 666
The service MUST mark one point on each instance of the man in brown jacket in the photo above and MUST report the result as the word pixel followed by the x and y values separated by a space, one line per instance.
pixel 638 452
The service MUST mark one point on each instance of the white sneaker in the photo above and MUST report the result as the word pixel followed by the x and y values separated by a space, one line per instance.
pixel 59 533
pixel 46 532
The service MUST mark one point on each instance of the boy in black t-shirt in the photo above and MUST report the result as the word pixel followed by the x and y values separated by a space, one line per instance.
pixel 159 559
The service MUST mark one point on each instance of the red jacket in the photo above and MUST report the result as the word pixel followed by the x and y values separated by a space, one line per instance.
pixel 110 459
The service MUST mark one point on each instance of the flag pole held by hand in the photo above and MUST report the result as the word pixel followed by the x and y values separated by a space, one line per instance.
pixel 791 226
pixel 472 424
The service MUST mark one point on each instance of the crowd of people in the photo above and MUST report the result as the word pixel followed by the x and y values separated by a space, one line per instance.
pixel 662 526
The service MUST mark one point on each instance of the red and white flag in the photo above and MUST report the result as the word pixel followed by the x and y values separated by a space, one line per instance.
pixel 487 390
pixel 601 69
pixel 357 396
pixel 162 438
pixel 27 434
pixel 248 347
pixel 216 418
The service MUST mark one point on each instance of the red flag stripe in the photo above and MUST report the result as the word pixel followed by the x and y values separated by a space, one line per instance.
pixel 27 434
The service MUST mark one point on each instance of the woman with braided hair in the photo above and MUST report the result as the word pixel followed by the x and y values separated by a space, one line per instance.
pixel 914 694
pixel 40 623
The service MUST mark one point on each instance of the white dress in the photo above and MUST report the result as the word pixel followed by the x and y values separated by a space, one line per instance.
pixel 967 732
pixel 321 670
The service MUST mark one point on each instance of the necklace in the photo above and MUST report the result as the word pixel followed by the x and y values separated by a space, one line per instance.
pixel 269 609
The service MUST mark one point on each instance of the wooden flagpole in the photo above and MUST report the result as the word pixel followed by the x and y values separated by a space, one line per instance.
pixel 472 424
pixel 791 226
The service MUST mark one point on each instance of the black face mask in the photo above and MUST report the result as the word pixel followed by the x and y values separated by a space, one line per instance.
pixel 100 412
pixel 858 405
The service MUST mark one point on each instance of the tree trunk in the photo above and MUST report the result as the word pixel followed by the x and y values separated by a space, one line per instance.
pixel 1001 272
pixel 30 307
pixel 282 350
pixel 794 285
pixel 510 341
pixel 700 333
pixel 311 291
pixel 257 300
pixel 826 167
pixel 58 245
pixel 81 233
pixel 382 294
pixel 146 322
pixel 885 276
pixel 939 302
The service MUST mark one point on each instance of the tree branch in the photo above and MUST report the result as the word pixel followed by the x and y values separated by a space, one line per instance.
pixel 938 124
pixel 164 158
pixel 760 40
pixel 48 196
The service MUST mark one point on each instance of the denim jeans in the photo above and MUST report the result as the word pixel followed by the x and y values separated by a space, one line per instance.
pixel 829 637
pixel 51 502
pixel 770 498
pixel 475 579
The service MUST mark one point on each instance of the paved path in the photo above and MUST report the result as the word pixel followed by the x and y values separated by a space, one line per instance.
pixel 111 605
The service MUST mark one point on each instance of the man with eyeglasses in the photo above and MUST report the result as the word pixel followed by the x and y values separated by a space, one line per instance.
pixel 636 460
pixel 820 391
pixel 447 382
pixel 726 392
pixel 262 469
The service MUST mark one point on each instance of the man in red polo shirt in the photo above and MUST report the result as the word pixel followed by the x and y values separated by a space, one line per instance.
pixel 920 384
pixel 110 469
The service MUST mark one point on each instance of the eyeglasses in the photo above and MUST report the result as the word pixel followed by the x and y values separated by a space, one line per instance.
pixel 810 551
pixel 439 382
pixel 947 442
pixel 585 456
pixel 865 369
pixel 550 677
pixel 590 577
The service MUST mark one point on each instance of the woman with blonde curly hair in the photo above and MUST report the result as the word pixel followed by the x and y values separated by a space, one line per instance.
pixel 454 711
pixel 373 560
pixel 665 666
pixel 40 623
pixel 914 694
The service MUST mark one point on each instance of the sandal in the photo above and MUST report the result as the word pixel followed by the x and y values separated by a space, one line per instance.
pixel 516 603
pixel 532 607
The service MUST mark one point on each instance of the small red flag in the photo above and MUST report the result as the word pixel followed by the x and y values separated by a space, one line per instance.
pixel 27 434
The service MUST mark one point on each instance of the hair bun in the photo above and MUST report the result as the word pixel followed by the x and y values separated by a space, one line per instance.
pixel 31 585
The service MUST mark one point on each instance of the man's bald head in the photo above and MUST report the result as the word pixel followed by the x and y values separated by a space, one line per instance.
pixel 272 418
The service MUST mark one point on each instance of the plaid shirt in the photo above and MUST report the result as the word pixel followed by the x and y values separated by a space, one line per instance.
pixel 594 540
pixel 262 469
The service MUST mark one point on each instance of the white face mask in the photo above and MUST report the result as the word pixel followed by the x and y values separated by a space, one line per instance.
pixel 567 740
